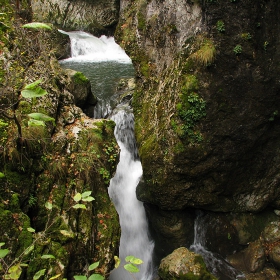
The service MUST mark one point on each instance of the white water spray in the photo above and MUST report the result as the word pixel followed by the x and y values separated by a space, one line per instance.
pixel 86 47
pixel 214 262
pixel 134 238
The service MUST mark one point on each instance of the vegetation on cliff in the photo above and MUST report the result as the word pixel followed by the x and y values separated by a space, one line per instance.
pixel 50 162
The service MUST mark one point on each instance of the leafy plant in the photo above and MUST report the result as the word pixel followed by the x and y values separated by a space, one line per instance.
pixel 220 26
pixel 246 36
pixel 237 49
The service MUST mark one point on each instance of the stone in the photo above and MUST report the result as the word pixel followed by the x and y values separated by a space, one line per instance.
pixel 183 264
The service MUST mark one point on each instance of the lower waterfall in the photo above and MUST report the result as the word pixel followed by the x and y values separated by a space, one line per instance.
pixel 98 59
pixel 134 238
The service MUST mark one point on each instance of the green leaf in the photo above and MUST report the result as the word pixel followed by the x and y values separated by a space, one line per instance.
pixel 55 277
pixel 96 277
pixel 128 258
pixel 117 261
pixel 87 199
pixel 23 264
pixel 66 233
pixel 48 205
pixel 39 273
pixel 32 93
pixel 136 261
pixel 80 277
pixel 41 117
pixel 37 25
pixel 93 266
pixel 4 253
pixel 2 175
pixel 28 250
pixel 2 243
pixel 33 122
pixel 33 85
pixel 131 268
pixel 79 206
pixel 15 272
pixel 48 257
pixel 86 194
pixel 30 229
pixel 77 197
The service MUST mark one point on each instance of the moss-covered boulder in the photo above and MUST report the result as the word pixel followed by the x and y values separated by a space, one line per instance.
pixel 183 264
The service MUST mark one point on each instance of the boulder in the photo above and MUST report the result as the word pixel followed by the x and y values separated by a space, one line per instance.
pixel 183 264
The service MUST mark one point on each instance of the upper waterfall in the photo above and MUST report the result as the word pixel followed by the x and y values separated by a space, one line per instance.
pixel 86 47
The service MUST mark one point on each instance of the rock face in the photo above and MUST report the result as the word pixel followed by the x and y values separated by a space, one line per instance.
pixel 96 17
pixel 206 107
pixel 207 102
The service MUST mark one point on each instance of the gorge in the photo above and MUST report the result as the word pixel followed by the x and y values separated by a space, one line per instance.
pixel 206 105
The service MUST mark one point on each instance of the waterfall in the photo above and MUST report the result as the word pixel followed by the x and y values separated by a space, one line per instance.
pixel 86 47
pixel 134 238
pixel 214 262
pixel 100 55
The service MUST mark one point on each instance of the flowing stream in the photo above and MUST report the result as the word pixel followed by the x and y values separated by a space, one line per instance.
pixel 104 63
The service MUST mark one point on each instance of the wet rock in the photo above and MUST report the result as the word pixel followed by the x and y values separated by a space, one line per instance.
pixel 96 17
pixel 183 264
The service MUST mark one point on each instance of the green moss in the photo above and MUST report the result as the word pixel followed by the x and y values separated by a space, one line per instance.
pixel 80 78
pixel 141 21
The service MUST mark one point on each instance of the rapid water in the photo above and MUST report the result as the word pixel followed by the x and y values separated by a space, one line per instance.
pixel 104 63
pixel 214 263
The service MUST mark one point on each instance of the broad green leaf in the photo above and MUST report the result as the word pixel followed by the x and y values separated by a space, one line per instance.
pixel 48 257
pixel 30 229
pixel 117 261
pixel 131 268
pixel 32 93
pixel 39 273
pixel 77 197
pixel 37 25
pixel 2 175
pixel 96 277
pixel 128 258
pixel 4 253
pixel 33 122
pixel 66 233
pixel 33 85
pixel 2 244
pixel 79 206
pixel 86 194
pixel 23 264
pixel 15 272
pixel 29 249
pixel 80 277
pixel 55 277
pixel 136 261
pixel 48 205
pixel 41 117
pixel 93 266
pixel 88 199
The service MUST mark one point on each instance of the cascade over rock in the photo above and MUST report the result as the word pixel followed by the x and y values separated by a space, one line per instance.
pixel 96 17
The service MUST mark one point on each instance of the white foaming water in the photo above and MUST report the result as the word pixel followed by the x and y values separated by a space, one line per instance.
pixel 214 262
pixel 86 47
pixel 134 238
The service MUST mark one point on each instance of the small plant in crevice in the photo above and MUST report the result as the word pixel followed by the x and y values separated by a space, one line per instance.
pixel 265 44
pixel 220 26
pixel 190 110
pixel 237 49
pixel 246 36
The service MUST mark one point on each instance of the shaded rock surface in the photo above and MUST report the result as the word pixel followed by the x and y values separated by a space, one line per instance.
pixel 96 17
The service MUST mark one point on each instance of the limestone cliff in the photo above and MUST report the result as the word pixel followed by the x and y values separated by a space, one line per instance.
pixel 207 101
pixel 96 17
